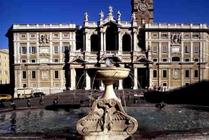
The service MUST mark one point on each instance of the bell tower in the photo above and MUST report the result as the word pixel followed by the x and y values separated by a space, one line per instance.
pixel 143 10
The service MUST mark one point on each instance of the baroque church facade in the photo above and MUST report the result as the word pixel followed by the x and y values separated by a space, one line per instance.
pixel 53 57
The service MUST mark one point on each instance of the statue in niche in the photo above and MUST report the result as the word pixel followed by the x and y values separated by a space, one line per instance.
pixel 176 38
pixel 43 39
pixel 175 74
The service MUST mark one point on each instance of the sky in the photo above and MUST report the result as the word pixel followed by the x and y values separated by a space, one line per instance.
pixel 71 11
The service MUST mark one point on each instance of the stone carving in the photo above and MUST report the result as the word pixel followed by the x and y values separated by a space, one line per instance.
pixel 176 38
pixel 107 115
pixel 86 17
pixel 101 16
pixel 107 119
pixel 119 16
pixel 133 17
pixel 44 39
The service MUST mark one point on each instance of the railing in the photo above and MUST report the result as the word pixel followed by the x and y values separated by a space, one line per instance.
pixel 178 26
pixel 37 26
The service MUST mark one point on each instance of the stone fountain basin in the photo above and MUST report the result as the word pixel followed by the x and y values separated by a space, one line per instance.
pixel 108 73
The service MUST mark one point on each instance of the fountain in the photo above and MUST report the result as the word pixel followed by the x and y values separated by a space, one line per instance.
pixel 107 119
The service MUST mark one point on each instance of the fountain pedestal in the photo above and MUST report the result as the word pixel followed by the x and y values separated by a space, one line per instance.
pixel 107 119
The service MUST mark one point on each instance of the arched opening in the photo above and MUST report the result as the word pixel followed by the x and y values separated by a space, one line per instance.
pixel 126 43
pixel 175 59
pixel 95 43
pixel 111 37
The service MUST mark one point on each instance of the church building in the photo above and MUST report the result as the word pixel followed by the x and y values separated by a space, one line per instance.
pixel 54 57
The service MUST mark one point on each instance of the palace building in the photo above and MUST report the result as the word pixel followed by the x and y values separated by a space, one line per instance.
pixel 51 57
pixel 4 66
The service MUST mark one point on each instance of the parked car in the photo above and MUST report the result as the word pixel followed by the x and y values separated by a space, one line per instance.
pixel 5 97
pixel 38 94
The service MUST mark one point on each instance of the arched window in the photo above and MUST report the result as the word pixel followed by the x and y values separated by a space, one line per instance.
pixel 126 43
pixel 112 37
pixel 95 43
pixel 175 59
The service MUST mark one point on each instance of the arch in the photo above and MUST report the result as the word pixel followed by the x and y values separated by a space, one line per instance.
pixel 95 43
pixel 126 43
pixel 112 37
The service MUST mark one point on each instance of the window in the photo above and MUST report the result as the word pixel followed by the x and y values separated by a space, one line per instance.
pixel 24 75
pixel 164 73
pixel 196 47
pixel 196 35
pixel 55 60
pixel 56 74
pixel 164 35
pixel 33 61
pixel 66 35
pixel 24 85
pixel 155 46
pixel 56 49
pixel 154 35
pixel 65 47
pixel 175 59
pixel 154 60
pixel 32 35
pixel 165 60
pixel 23 35
pixel 154 73
pixel 33 50
pixel 23 61
pixel 164 46
pixel 187 35
pixel 24 50
pixel 187 47
pixel 196 59
pixel 33 74
pixel 56 35
pixel 187 73
pixel 196 73
pixel 187 60
pixel 164 84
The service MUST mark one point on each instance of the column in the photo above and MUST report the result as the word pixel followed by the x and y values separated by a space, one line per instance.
pixel 38 79
pixel 191 54
pixel 72 79
pixel 62 86
pixel 50 51
pixel 88 82
pixel 120 87
pixel 60 52
pixel 104 47
pixel 28 48
pixel 159 51
pixel 101 40
pixel 135 79
pixel 51 80
pixel 120 42
pixel 169 78
pixel 150 77
pixel 134 43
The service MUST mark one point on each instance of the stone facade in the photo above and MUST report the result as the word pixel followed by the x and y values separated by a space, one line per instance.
pixel 4 66
pixel 54 57
pixel 179 53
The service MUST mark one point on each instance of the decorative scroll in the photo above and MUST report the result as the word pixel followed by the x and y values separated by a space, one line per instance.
pixel 107 116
